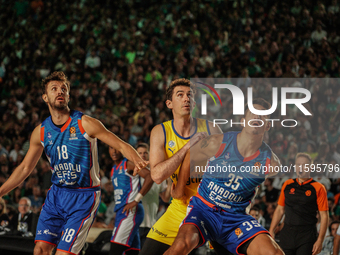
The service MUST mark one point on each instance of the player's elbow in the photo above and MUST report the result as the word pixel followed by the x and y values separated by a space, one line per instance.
pixel 156 177
pixel 157 181
pixel 280 210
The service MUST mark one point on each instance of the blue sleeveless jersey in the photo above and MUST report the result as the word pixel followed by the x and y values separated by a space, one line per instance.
pixel 235 186
pixel 72 153
pixel 125 186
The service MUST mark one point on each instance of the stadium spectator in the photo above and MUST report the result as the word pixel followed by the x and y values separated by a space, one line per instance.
pixel 36 199
pixel 255 212
pixel 26 220
pixel 318 34
pixel 271 194
pixel 327 246
pixel 4 220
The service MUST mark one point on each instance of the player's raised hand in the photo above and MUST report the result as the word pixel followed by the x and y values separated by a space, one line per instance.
pixel 139 166
pixel 197 137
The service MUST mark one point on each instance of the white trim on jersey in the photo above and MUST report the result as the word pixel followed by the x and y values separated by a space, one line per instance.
pixel 252 200
pixel 94 171
pixel 123 230
pixel 134 189
pixel 82 235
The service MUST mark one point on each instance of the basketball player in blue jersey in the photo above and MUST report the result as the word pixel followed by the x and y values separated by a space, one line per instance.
pixel 129 209
pixel 169 143
pixel 69 140
pixel 218 211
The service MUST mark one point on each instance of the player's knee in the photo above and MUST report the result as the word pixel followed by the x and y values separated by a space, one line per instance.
pixel 185 245
pixel 180 246
pixel 41 249
pixel 275 251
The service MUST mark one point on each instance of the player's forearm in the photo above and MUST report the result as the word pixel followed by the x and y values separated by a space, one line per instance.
pixel 165 195
pixel 183 176
pixel 146 185
pixel 336 244
pixel 16 178
pixel 165 169
pixel 130 153
pixel 323 225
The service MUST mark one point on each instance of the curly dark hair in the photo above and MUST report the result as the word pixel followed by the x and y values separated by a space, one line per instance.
pixel 55 76
pixel 176 83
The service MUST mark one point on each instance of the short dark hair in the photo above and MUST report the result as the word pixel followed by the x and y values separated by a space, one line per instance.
pixel 55 76
pixel 254 208
pixel 259 101
pixel 271 180
pixel 330 225
pixel 143 145
pixel 176 83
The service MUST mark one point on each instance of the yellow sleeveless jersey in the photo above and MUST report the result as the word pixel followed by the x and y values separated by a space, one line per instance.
pixel 166 228
pixel 173 143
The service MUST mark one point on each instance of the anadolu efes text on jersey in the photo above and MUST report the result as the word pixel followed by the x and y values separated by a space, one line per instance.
pixel 72 153
pixel 234 189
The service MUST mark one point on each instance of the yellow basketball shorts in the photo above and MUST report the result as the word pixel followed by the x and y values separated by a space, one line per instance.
pixel 166 228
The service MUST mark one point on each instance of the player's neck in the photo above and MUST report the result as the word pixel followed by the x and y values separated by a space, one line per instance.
pixel 302 180
pixel 183 124
pixel 60 117
pixel 117 162
pixel 248 144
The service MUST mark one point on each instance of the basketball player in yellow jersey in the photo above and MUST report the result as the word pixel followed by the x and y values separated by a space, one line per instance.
pixel 168 146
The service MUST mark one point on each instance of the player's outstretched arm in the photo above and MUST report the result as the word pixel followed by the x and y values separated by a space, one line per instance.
pixel 26 166
pixel 95 129
pixel 196 156
pixel 162 168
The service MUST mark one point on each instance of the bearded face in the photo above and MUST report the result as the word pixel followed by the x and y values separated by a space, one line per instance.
pixel 57 95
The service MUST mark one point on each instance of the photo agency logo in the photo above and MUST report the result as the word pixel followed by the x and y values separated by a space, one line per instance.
pixel 290 97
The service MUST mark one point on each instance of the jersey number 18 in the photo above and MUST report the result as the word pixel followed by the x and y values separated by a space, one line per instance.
pixel 63 152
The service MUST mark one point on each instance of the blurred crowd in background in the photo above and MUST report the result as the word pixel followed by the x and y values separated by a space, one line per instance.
pixel 121 55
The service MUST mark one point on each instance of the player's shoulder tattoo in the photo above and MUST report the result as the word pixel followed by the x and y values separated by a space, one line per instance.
pixel 205 142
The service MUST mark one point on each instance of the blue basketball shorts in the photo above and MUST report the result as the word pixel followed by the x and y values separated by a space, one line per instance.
pixel 67 216
pixel 126 231
pixel 228 229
